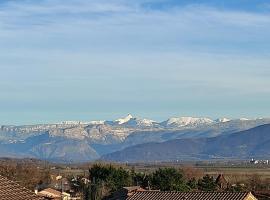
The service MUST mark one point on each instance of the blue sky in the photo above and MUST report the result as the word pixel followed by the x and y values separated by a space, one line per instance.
pixel 101 59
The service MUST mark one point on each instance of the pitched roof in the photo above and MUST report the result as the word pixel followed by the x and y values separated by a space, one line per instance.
pixel 150 195
pixel 10 190
pixel 49 192
pixel 133 188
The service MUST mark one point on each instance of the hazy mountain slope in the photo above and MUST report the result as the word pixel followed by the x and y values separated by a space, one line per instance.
pixel 53 148
pixel 201 131
pixel 64 150
pixel 170 150
pixel 241 144
pixel 97 138
pixel 6 152
pixel 250 143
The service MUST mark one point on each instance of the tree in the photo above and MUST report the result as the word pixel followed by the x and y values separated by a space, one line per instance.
pixel 207 184
pixel 168 179
pixel 106 179
pixel 142 179
pixel 26 173
pixel 237 188
pixel 192 183
pixel 255 182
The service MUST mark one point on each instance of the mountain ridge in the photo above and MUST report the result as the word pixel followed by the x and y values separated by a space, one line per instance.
pixel 98 138
pixel 241 145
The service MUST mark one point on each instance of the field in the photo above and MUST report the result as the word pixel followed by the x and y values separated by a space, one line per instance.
pixel 232 171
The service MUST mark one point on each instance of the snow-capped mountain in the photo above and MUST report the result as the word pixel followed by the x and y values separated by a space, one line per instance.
pixel 73 123
pixel 130 121
pixel 101 137
pixel 244 119
pixel 142 122
pixel 124 120
pixel 222 120
pixel 186 121
pixel 97 122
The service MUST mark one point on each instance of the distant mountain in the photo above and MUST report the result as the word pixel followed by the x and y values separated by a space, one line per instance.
pixel 130 121
pixel 250 143
pixel 52 148
pixel 124 120
pixel 186 121
pixel 222 120
pixel 95 138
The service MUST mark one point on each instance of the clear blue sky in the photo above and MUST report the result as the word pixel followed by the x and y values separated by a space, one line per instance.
pixel 101 59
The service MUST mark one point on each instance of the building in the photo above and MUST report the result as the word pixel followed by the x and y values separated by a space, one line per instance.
pixel 52 194
pixel 126 192
pixel 262 162
pixel 10 190
pixel 156 195
pixel 49 193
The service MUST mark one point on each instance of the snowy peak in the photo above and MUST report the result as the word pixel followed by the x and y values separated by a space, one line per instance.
pixel 222 120
pixel 244 119
pixel 124 120
pixel 100 122
pixel 129 120
pixel 146 122
pixel 140 122
pixel 186 121
pixel 73 123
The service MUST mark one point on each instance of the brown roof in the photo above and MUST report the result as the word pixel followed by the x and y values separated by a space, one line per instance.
pixel 133 188
pixel 10 190
pixel 150 195
pixel 49 192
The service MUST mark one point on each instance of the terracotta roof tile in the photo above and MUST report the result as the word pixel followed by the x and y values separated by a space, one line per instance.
pixel 10 190
pixel 49 192
pixel 151 195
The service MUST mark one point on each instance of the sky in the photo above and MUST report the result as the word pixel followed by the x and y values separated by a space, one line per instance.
pixel 102 59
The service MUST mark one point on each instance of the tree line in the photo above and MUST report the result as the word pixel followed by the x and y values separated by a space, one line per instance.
pixel 107 179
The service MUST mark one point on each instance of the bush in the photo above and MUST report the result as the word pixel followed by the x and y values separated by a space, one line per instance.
pixel 207 184
pixel 169 179
pixel 106 179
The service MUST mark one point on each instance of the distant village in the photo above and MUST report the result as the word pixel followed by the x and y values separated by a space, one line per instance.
pixel 104 181
pixel 61 189
pixel 263 162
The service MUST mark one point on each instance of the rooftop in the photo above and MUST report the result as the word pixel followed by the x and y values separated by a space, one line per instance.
pixel 10 190
pixel 49 192
pixel 156 195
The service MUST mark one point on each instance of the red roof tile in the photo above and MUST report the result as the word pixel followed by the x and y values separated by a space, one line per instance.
pixel 10 190
pixel 150 195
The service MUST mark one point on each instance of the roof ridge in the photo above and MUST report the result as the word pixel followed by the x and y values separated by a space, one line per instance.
pixel 192 192
pixel 173 195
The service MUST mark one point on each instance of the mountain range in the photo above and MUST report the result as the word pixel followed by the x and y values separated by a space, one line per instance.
pixel 75 141
pixel 242 145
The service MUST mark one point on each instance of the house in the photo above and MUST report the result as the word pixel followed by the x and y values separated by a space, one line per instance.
pixel 10 190
pixel 156 195
pixel 125 192
pixel 129 191
pixel 49 193
pixel 52 194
